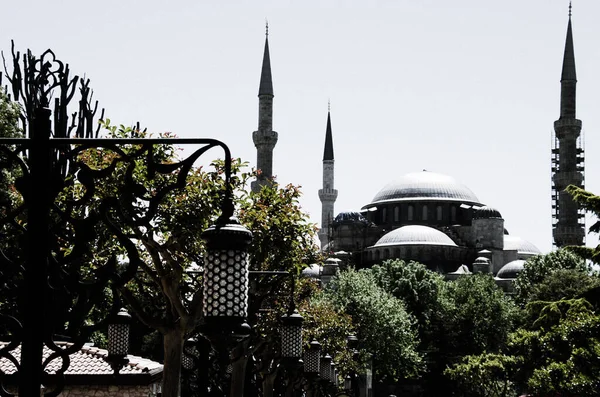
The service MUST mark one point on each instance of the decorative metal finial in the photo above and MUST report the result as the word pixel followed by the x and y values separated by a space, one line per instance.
pixel 329 105
pixel 570 6
pixel 266 27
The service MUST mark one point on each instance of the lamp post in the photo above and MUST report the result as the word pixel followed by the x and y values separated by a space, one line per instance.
pixel 351 381
pixel 118 341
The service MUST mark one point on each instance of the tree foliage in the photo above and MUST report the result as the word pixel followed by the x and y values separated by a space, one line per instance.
pixel 479 318
pixel 591 204
pixel 538 267
pixel 420 289
pixel 384 327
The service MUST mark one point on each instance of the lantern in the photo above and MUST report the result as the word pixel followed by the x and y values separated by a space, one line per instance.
pixel 312 359
pixel 225 281
pixel 291 337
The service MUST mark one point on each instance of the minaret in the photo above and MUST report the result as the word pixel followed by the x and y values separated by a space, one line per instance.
pixel 264 138
pixel 328 194
pixel 567 156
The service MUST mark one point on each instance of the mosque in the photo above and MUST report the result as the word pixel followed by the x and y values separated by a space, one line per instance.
pixel 430 217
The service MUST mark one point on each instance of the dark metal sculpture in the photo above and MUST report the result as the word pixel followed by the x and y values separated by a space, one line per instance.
pixel 52 276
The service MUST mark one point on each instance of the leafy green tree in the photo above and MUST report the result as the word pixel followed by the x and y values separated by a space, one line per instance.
pixel 384 327
pixel 563 284
pixel 560 349
pixel 485 375
pixel 479 318
pixel 540 266
pixel 10 114
pixel 591 204
pixel 421 291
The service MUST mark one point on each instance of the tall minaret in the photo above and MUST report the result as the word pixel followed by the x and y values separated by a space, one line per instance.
pixel 328 194
pixel 264 138
pixel 567 156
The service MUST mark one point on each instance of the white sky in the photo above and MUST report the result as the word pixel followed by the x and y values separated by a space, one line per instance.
pixel 468 88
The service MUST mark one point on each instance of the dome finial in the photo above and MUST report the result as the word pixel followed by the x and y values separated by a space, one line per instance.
pixel 266 27
pixel 570 7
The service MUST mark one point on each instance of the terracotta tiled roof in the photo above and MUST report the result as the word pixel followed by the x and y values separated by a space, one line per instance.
pixel 90 362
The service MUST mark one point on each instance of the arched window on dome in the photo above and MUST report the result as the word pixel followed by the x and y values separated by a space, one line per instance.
pixel 384 215
pixel 453 214
pixel 397 253
pixel 411 210
pixel 396 214
pixel 376 255
pixel 438 212
pixel 424 217
pixel 386 253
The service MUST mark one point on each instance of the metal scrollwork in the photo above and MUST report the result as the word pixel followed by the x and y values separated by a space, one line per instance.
pixel 53 277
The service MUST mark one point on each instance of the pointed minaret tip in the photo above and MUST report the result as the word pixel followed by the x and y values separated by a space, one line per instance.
pixel 328 152
pixel 266 82
pixel 568 69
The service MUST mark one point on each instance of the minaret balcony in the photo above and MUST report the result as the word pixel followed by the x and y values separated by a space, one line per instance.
pixel 328 194
pixel 566 127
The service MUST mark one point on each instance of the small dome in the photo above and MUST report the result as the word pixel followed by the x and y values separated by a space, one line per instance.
pixel 481 261
pixel 520 245
pixel 415 235
pixel 486 212
pixel 312 271
pixel 511 269
pixel 425 185
pixel 349 217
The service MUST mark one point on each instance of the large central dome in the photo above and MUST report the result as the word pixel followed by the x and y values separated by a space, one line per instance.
pixel 425 185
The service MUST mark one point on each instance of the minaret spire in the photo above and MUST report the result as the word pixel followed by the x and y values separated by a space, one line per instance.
pixel 264 137
pixel 567 155
pixel 328 194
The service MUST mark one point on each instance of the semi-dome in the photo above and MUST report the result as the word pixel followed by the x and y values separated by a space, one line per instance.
pixel 511 269
pixel 415 235
pixel 350 216
pixel 520 245
pixel 486 212
pixel 425 185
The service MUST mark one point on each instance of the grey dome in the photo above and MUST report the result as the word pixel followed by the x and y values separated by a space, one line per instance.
pixel 425 185
pixel 349 217
pixel 511 269
pixel 486 212
pixel 520 245
pixel 415 235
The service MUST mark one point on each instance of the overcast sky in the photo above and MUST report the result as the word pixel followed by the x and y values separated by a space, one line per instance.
pixel 468 88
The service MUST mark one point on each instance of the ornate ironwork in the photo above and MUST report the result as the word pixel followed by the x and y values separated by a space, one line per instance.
pixel 53 277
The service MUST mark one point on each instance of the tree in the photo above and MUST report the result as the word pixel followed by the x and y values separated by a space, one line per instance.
pixel 384 327
pixel 563 284
pixel 168 240
pixel 590 203
pixel 538 267
pixel 485 375
pixel 421 291
pixel 479 318
pixel 555 353
pixel 560 348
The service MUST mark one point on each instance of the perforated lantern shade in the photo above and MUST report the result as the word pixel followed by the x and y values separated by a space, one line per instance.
pixel 226 273
pixel 312 358
pixel 118 335
pixel 325 369
pixel 291 336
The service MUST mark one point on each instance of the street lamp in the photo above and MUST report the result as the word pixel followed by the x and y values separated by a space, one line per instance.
pixel 118 340
pixel 325 370
pixel 225 301
pixel 291 338
pixel 312 359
